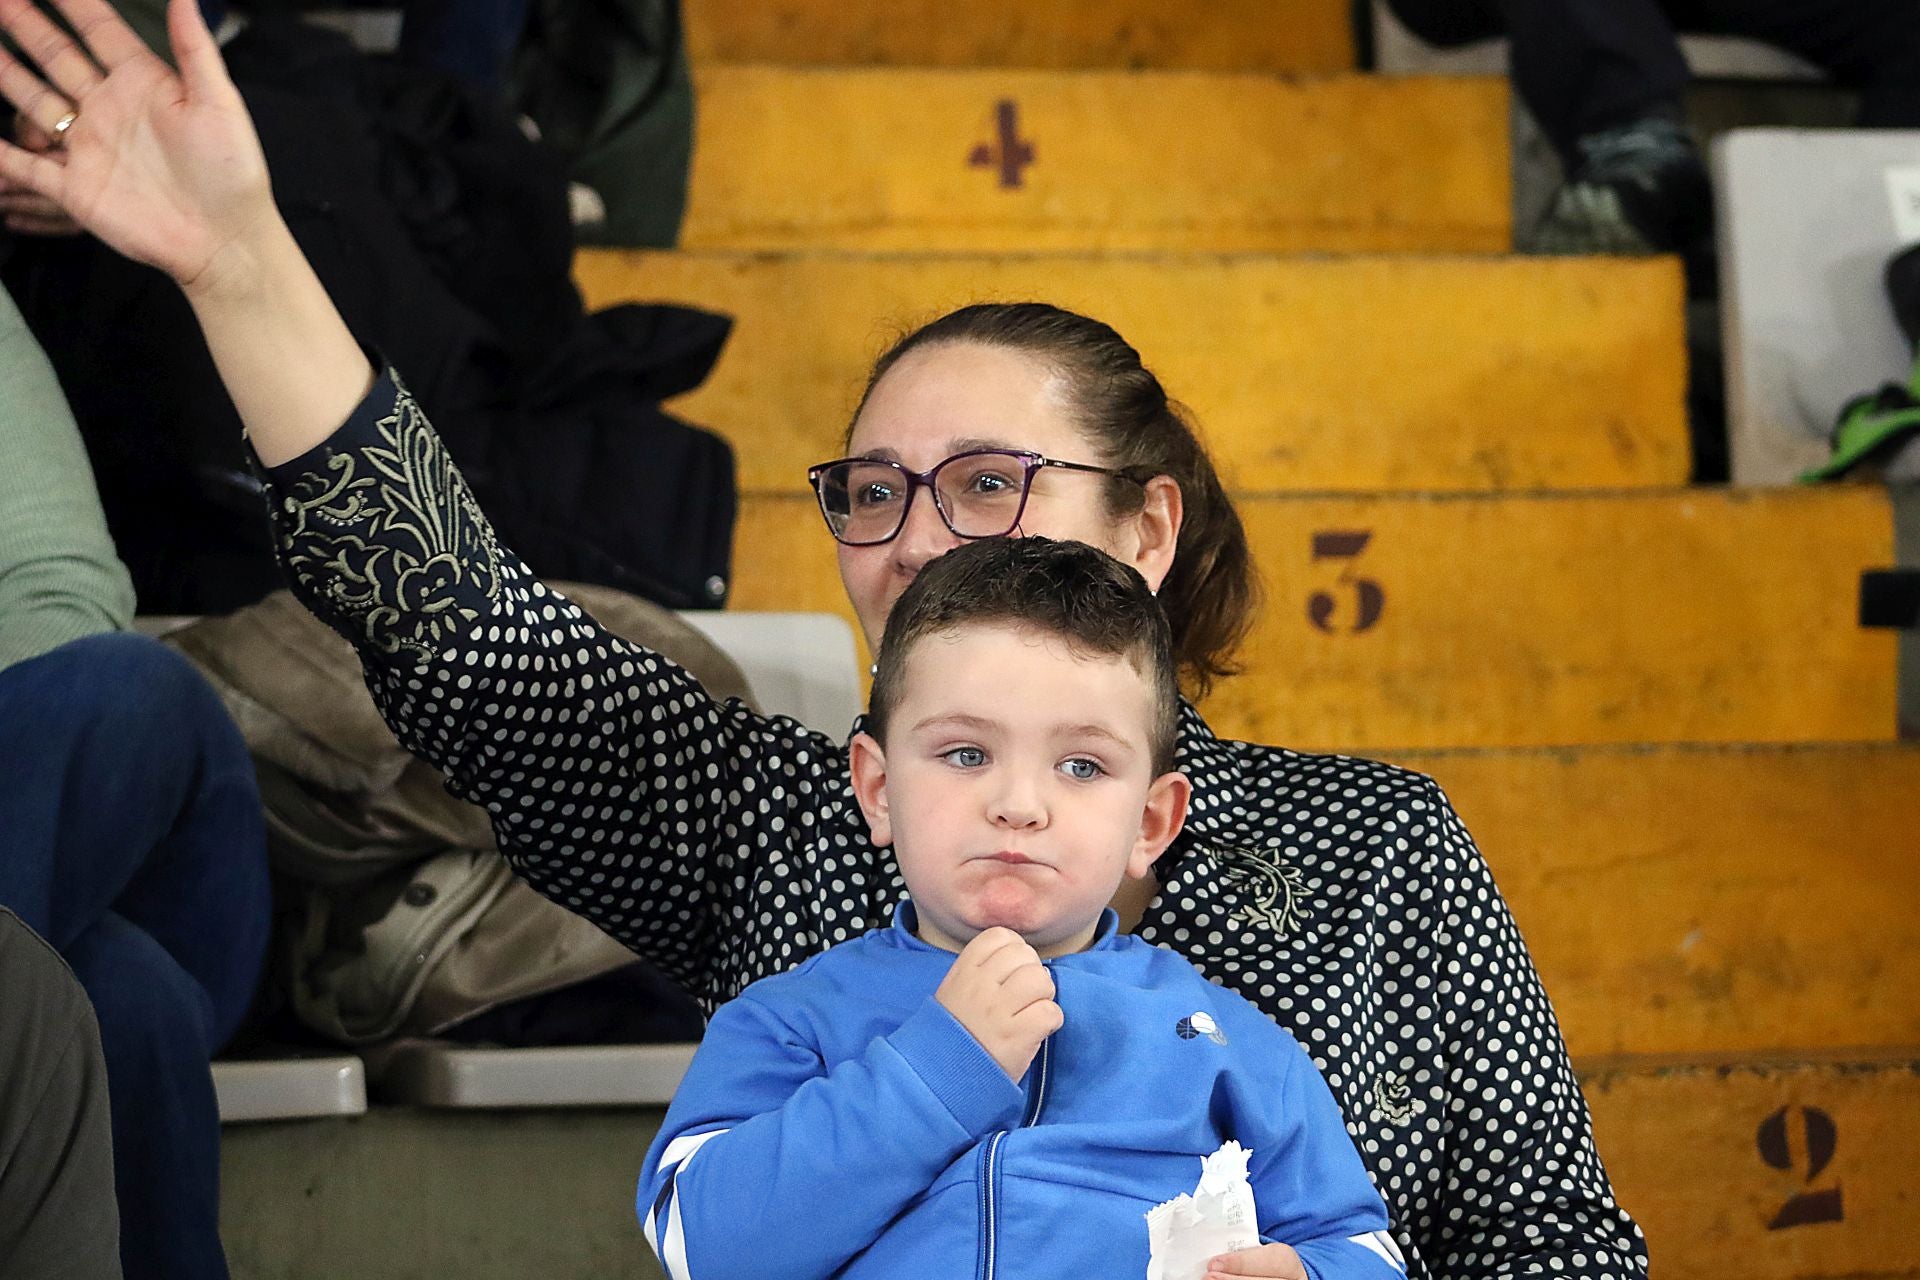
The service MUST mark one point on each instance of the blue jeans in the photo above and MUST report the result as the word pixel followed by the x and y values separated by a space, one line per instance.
pixel 131 838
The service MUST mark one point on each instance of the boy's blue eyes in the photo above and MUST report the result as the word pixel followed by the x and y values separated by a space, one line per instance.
pixel 1078 768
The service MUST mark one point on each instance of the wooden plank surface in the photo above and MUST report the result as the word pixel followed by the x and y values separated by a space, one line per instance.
pixel 1374 373
pixel 1794 1170
pixel 1011 161
pixel 1707 901
pixel 1300 37
pixel 1516 620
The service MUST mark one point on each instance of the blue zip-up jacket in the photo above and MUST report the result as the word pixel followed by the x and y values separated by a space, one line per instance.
pixel 838 1121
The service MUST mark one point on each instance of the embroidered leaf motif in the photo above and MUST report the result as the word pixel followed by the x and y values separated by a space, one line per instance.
pixel 1271 895
pixel 1392 1098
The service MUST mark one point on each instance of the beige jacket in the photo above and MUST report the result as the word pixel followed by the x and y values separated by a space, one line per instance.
pixel 398 916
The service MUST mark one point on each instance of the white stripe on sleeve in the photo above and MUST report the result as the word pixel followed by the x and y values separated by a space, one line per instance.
pixel 670 1244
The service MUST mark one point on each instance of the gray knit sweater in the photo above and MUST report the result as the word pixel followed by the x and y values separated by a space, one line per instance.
pixel 59 577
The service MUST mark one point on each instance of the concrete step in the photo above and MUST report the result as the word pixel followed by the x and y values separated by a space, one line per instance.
pixel 1011 161
pixel 1707 901
pixel 1798 1167
pixel 1664 616
pixel 1313 36
pixel 1786 1166
pixel 404 1194
pixel 1373 373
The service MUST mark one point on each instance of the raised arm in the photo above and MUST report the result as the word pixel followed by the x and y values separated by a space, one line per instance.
pixel 615 785
pixel 59 576
pixel 165 168
pixel 761 1138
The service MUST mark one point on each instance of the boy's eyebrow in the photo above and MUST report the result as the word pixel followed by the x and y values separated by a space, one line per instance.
pixel 981 724
pixel 1096 731
pixel 957 720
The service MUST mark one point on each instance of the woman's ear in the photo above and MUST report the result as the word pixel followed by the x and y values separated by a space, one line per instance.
pixel 1160 821
pixel 868 760
pixel 1152 532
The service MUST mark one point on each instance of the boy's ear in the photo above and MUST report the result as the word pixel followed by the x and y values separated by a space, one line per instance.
pixel 869 763
pixel 1160 822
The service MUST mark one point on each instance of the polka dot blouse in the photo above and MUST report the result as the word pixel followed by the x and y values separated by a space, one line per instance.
pixel 1343 897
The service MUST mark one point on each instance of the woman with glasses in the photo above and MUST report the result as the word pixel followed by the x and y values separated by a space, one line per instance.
pixel 1341 896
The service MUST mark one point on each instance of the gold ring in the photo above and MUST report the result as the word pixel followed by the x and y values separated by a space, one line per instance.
pixel 63 124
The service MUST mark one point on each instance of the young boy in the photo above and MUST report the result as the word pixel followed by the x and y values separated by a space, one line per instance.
pixel 1002 1084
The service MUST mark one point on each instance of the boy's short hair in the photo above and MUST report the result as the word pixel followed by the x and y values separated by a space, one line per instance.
pixel 1067 589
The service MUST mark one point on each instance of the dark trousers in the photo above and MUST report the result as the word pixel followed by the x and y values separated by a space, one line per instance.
pixel 1586 65
pixel 57 1217
pixel 131 838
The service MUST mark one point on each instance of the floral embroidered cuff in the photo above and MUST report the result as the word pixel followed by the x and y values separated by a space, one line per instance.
pixel 379 534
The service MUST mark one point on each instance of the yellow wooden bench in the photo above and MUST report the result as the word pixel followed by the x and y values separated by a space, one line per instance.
pixel 1300 37
pixel 1706 900
pixel 1009 161
pixel 1779 1167
pixel 1516 620
pixel 1304 373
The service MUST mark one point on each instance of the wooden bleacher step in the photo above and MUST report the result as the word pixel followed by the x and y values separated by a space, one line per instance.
pixel 1374 373
pixel 1774 1167
pixel 1311 37
pixel 1516 620
pixel 1706 902
pixel 1013 161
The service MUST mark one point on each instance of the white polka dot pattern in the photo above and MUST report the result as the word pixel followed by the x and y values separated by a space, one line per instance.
pixel 1341 896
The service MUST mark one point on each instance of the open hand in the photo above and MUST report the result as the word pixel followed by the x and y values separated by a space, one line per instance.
pixel 1003 995
pixel 164 168
pixel 1275 1261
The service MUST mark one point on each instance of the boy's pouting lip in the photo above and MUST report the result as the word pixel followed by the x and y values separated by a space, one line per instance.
pixel 1017 784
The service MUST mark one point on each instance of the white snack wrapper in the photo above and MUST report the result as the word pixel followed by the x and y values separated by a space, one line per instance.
pixel 1189 1230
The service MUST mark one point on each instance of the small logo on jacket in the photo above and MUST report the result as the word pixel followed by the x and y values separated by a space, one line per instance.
pixel 1195 1025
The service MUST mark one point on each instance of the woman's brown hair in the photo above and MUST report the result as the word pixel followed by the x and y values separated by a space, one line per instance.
pixel 1210 594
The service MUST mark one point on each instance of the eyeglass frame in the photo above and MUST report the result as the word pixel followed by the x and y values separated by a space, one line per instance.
pixel 1031 462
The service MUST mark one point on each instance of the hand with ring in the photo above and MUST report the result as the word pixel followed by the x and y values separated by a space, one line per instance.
pixel 23 210
pixel 162 166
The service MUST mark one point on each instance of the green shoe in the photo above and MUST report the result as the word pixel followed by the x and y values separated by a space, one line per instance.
pixel 1871 428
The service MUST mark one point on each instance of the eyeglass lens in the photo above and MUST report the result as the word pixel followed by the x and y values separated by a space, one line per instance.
pixel 979 496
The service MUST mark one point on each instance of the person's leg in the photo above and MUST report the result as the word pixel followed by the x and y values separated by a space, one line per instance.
pixel 156 1030
pixel 125 786
pixel 1869 45
pixel 1605 79
pixel 1447 23
pixel 1584 67
pixel 135 838
pixel 57 1215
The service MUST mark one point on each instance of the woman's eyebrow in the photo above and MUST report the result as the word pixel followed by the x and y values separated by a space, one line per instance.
pixel 967 444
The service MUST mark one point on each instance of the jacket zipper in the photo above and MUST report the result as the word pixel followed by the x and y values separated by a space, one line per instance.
pixel 989 1207
pixel 989 1172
